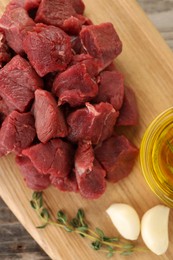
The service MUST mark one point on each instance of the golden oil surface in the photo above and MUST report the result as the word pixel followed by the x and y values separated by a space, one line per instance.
pixel 162 157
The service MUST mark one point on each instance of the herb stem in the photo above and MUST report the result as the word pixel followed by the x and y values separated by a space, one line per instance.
pixel 99 241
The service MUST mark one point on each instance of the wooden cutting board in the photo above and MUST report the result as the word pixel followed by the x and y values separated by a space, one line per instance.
pixel 147 64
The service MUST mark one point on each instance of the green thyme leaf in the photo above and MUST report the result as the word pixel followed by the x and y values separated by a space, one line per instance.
pixel 61 217
pixel 45 214
pixel 80 214
pixel 82 229
pixel 126 253
pixel 128 246
pixel 111 251
pixel 96 245
pixel 111 239
pixel 43 226
pixel 33 204
pixel 36 195
pixel 110 254
pixel 100 233
pixel 68 229
pixel 75 222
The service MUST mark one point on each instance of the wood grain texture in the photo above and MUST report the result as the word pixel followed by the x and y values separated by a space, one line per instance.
pixel 156 6
pixel 160 13
pixel 148 76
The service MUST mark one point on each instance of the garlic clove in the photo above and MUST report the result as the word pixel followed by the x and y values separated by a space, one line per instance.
pixel 154 229
pixel 125 219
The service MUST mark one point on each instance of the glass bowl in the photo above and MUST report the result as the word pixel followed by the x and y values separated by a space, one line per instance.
pixel 156 156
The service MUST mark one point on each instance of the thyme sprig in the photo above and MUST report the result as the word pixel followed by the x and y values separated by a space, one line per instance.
pixel 99 241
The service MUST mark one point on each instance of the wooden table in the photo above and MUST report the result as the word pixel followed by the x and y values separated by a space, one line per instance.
pixel 15 242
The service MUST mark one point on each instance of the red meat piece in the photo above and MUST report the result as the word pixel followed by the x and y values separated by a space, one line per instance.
pixel 18 81
pixel 13 4
pixel 111 88
pixel 72 25
pixel 117 155
pixel 15 24
pixel 4 108
pixel 76 44
pixel 89 173
pixel 49 119
pixel 61 13
pixel 34 180
pixel 68 183
pixel 75 86
pixel 54 12
pixel 94 123
pixel 102 42
pixel 78 5
pixel 31 4
pixel 129 110
pixel 111 67
pixel 83 19
pixel 26 4
pixel 17 132
pixel 4 51
pixel 92 65
pixel 55 157
pixel 48 49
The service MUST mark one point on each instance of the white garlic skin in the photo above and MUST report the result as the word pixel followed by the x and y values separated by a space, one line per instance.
pixel 154 229
pixel 125 219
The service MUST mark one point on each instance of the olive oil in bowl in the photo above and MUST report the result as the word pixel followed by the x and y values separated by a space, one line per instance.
pixel 156 155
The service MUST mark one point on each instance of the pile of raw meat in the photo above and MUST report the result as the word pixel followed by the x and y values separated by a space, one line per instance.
pixel 62 99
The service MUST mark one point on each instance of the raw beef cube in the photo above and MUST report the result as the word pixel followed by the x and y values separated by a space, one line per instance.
pixel 55 157
pixel 68 183
pixel 89 173
pixel 54 12
pixel 48 49
pixel 13 4
pixel 4 108
pixel 26 4
pixel 111 88
pixel 78 5
pixel 4 51
pixel 72 25
pixel 17 132
pixel 102 42
pixel 18 81
pixel 84 158
pixel 31 4
pixel 94 123
pixel 111 67
pixel 92 64
pixel 117 155
pixel 75 86
pixel 15 23
pixel 83 19
pixel 129 111
pixel 49 119
pixel 34 180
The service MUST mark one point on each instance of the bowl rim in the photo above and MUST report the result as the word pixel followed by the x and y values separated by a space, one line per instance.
pixel 151 132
